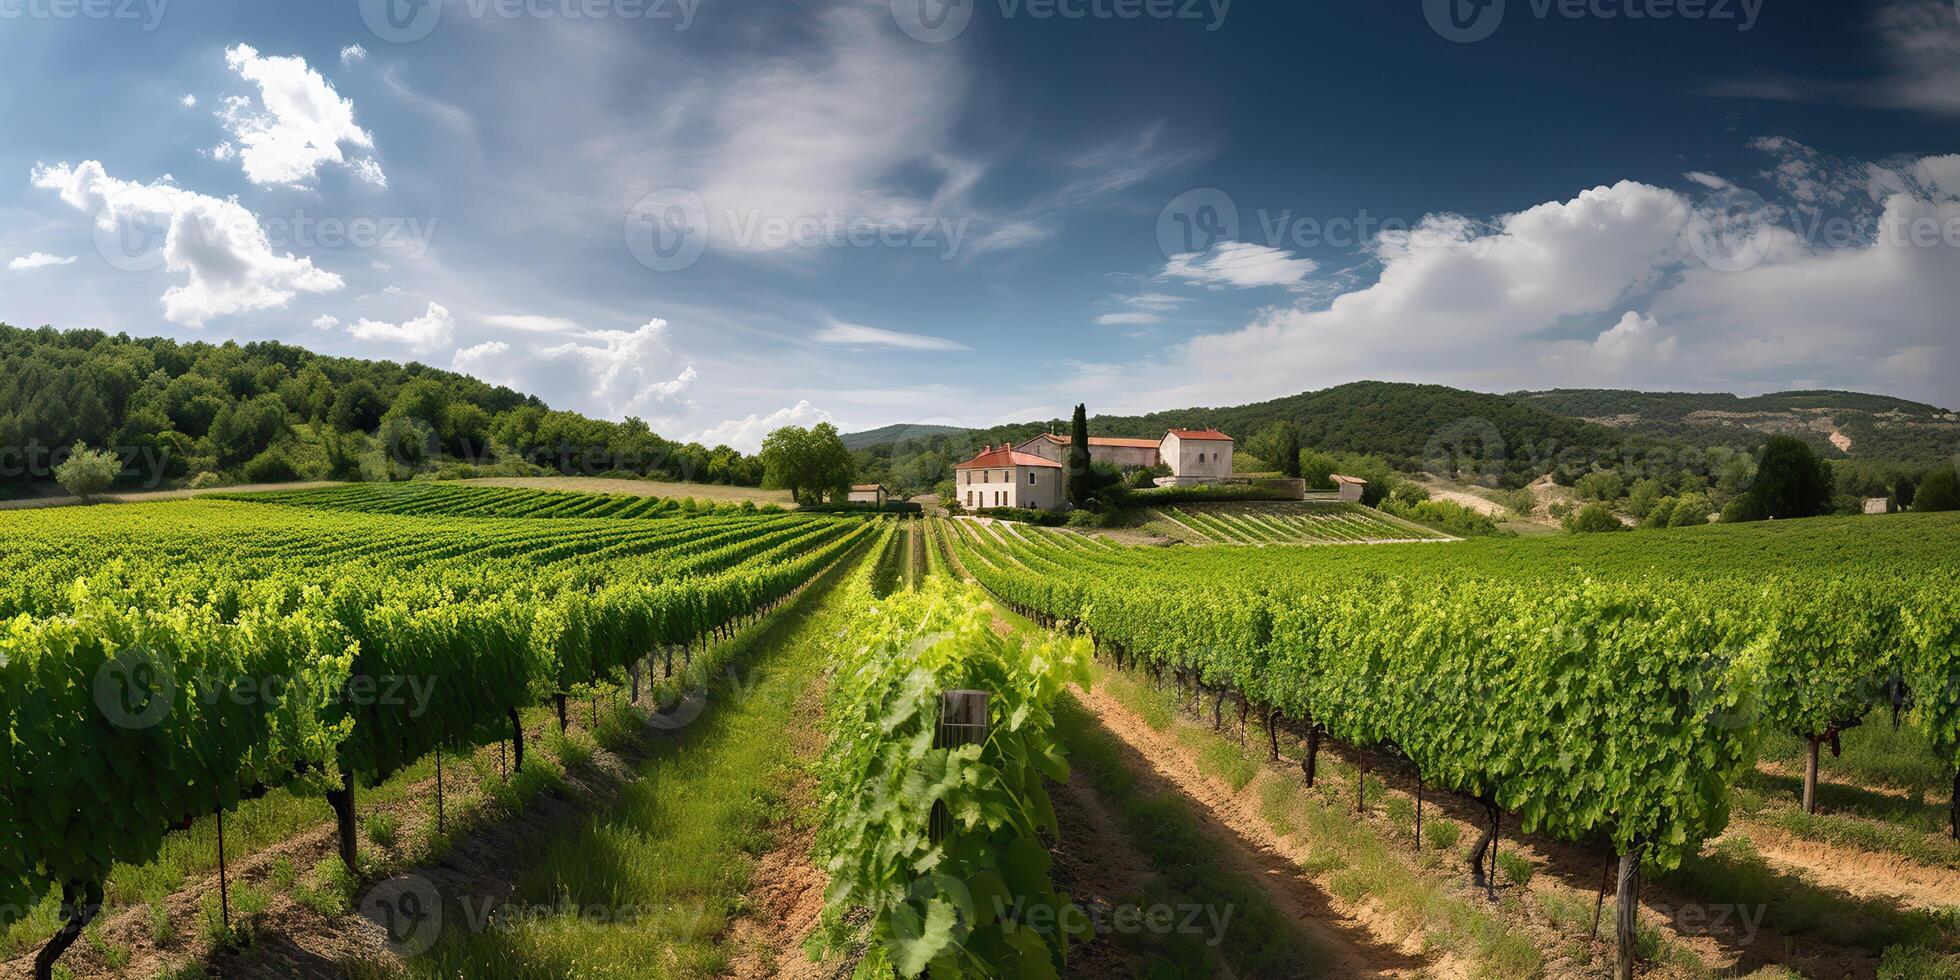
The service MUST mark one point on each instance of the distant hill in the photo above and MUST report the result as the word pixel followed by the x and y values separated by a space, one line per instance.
pixel 1838 423
pixel 1406 423
pixel 902 432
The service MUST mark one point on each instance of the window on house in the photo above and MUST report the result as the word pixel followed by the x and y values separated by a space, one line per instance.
pixel 1030 479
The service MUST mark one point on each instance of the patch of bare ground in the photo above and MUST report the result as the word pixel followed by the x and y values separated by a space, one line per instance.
pixel 1097 867
pixel 1358 942
pixel 786 889
pixel 1854 871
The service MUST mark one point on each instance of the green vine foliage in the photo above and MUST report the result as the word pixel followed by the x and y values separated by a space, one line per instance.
pixel 159 663
pixel 1619 704
pixel 979 903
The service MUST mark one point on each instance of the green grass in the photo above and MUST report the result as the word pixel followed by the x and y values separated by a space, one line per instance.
pixel 649 885
pixel 1874 754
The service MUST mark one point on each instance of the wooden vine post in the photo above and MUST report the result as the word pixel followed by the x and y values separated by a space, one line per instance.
pixel 224 892
pixel 1627 914
pixel 516 741
pixel 962 721
pixel 342 801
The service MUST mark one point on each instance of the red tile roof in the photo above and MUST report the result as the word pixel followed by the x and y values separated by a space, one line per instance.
pixel 866 487
pixel 1105 441
pixel 1005 457
pixel 1338 478
pixel 1201 435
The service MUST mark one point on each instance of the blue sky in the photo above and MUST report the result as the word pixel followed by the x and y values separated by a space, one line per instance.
pixel 724 215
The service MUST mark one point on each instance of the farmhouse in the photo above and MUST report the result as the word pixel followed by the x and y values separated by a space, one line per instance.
pixel 870 493
pixel 1124 454
pixel 1032 474
pixel 1004 477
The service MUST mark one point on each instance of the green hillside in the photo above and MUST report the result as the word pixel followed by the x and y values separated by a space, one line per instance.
pixel 1837 423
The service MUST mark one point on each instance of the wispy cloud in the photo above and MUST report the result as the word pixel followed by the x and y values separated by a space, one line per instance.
pixel 39 260
pixel 858 335
pixel 1241 265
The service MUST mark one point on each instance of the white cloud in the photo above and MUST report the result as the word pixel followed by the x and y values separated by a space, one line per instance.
pixel 228 263
pixel 746 434
pixel 188 101
pixel 352 53
pixel 1127 319
pixel 299 125
pixel 1603 289
pixel 856 335
pixel 532 323
pixel 429 332
pixel 1154 302
pixel 1241 265
pixel 326 322
pixel 39 260
pixel 612 373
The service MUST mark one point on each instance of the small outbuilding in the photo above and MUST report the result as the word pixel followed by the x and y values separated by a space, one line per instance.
pixel 1878 505
pixel 1350 487
pixel 870 493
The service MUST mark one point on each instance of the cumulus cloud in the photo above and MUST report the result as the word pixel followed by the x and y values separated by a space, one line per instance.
pixel 188 101
pixel 297 126
pixel 352 53
pixel 1613 286
pixel 857 335
pixel 218 246
pixel 1241 265
pixel 326 322
pixel 433 330
pixel 746 434
pixel 39 260
pixel 613 373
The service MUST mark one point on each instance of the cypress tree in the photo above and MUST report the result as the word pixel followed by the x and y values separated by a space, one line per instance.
pixel 1078 459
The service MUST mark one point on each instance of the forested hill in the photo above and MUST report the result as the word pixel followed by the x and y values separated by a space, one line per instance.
pixel 1837 423
pixel 1404 423
pixel 268 412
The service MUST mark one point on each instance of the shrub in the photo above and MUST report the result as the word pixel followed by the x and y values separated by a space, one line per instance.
pixel 206 480
pixel 1447 515
pixel 1660 513
pixel 1201 493
pixel 1604 486
pixel 1515 869
pixel 270 466
pixel 87 472
pixel 1939 490
pixel 1690 510
pixel 1592 519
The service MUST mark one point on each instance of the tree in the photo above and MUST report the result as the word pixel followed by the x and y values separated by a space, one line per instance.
pixel 1318 470
pixel 357 408
pixel 1790 482
pixel 1938 490
pixel 1604 486
pixel 87 472
pixel 806 462
pixel 1278 444
pixel 1691 510
pixel 1644 495
pixel 245 429
pixel 1080 478
pixel 1593 518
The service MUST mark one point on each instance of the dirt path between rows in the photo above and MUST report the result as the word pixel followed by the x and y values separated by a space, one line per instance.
pixel 786 890
pixel 1357 945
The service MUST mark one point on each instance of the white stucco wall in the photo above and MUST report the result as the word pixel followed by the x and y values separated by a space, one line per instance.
pixel 1197 458
pixel 983 489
